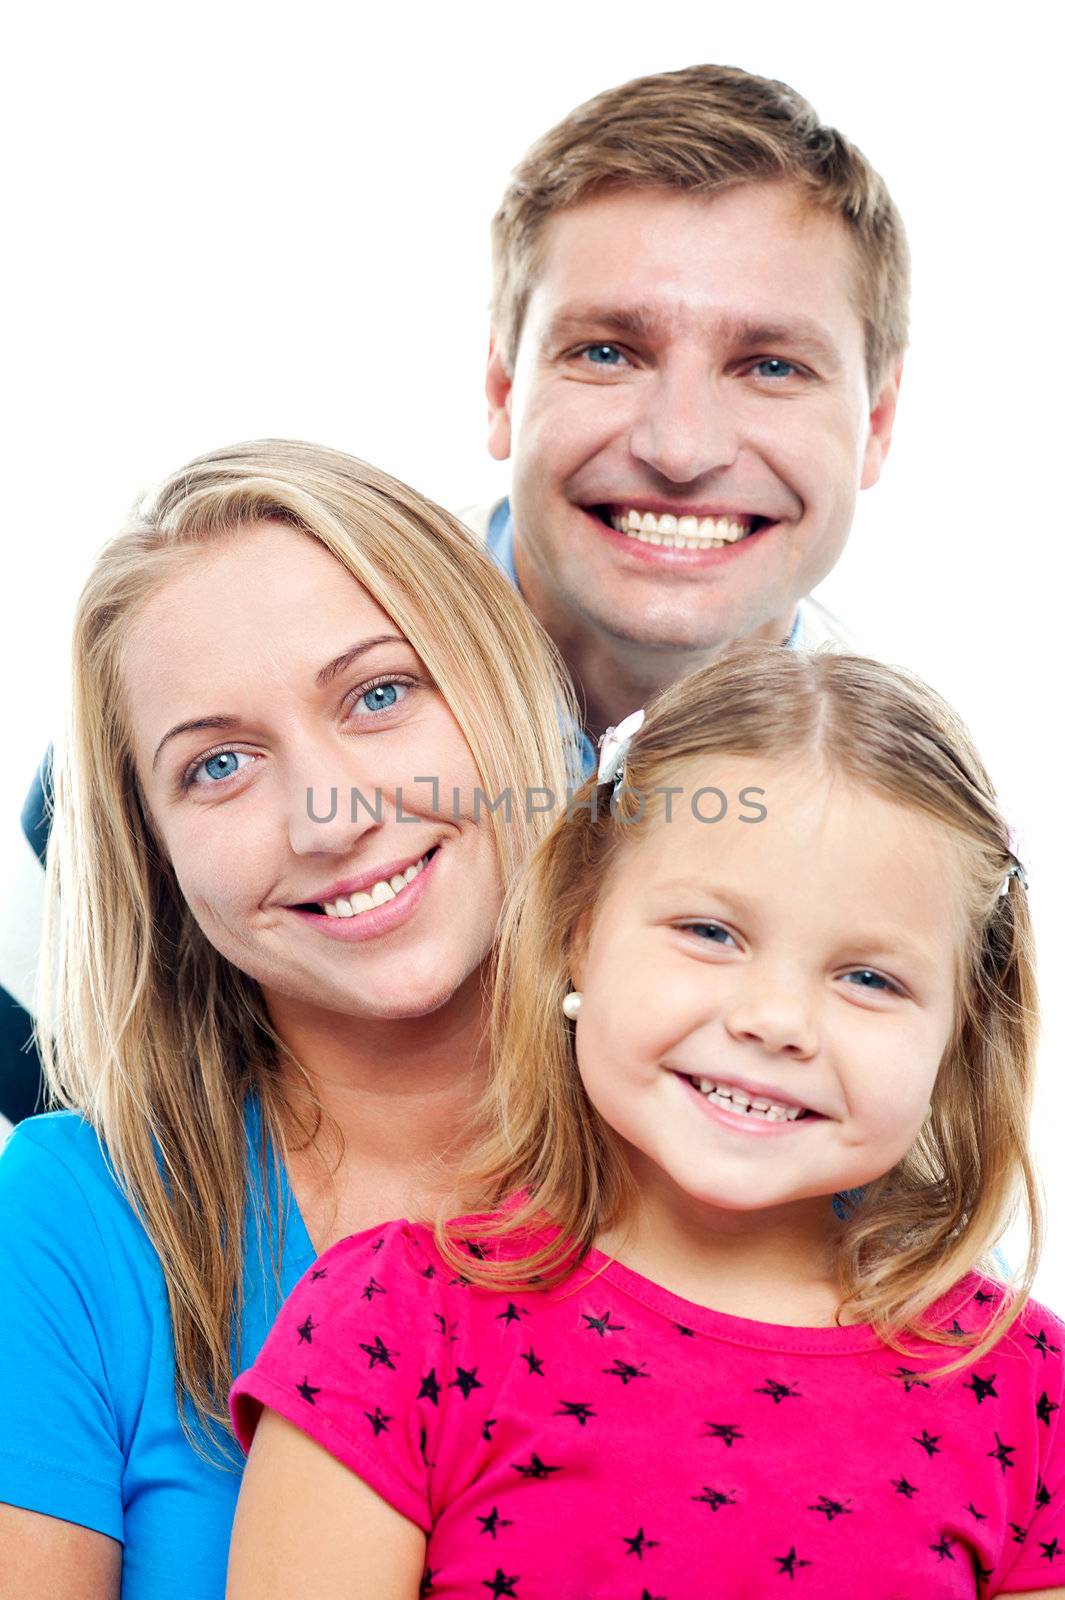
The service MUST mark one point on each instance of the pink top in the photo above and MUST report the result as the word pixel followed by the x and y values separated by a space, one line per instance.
pixel 606 1438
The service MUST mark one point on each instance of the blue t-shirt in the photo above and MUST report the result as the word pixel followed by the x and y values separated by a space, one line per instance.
pixel 89 1424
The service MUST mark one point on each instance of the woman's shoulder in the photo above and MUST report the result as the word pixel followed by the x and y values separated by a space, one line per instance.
pixel 57 1148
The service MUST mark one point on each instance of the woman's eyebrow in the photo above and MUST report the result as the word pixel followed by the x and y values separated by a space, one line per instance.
pixel 226 719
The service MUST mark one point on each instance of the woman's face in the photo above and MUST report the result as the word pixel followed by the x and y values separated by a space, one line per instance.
pixel 301 685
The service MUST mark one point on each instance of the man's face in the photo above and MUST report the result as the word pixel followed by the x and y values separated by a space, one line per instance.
pixel 689 415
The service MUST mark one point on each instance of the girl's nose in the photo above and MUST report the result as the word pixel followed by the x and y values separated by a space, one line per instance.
pixel 777 1015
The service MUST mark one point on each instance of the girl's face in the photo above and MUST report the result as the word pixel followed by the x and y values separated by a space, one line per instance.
pixel 301 685
pixel 804 963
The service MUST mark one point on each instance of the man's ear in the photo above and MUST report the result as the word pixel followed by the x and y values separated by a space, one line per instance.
pixel 881 422
pixel 497 386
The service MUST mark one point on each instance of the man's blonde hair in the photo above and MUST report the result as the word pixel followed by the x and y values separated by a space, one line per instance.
pixel 938 1212
pixel 702 130
pixel 143 1026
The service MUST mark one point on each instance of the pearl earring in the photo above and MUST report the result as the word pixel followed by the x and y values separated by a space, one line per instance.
pixel 571 1004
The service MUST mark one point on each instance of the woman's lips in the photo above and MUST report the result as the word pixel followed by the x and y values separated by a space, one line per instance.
pixel 382 919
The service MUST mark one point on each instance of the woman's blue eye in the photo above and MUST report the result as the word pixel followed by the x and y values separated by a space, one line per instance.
pixel 381 697
pixel 223 764
pixel 773 367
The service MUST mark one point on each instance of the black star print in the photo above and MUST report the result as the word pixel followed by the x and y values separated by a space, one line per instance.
pixel 647 1595
pixel 447 1331
pixel 493 1522
pixel 789 1563
pixel 1045 1408
pixel 830 1508
pixel 305 1329
pixel 638 1544
pixel 372 1288
pixel 602 1325
pixel 486 1431
pixel 319 1272
pixel 377 1420
pixel 1043 1495
pixel 533 1362
pixel 625 1371
pixel 306 1392
pixel 1020 1533
pixel 477 1251
pixel 513 1313
pixel 379 1352
pixel 982 1297
pixel 945 1548
pixel 1043 1344
pixel 426 1585
pixel 727 1432
pixel 423 1447
pixel 959 1333
pixel 910 1379
pixel 429 1271
pixel 929 1442
pixel 576 1409
pixel 778 1392
pixel 685 1333
pixel 714 1498
pixel 501 1584
pixel 458 1282
pixel 981 1516
pixel 983 1574
pixel 378 1244
pixel 467 1381
pixel 908 1490
pixel 982 1388
pixel 430 1389
pixel 1001 1453
pixel 1050 1552
pixel 535 1468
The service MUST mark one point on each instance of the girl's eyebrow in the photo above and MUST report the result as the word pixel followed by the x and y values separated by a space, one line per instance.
pixel 225 720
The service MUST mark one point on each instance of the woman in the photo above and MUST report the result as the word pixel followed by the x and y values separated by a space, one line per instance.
pixel 301 697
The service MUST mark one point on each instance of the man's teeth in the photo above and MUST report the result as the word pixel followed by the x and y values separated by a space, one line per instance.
pixel 681 533
pixel 736 1100
pixel 377 895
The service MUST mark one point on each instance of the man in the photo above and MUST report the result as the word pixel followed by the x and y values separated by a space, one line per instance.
pixel 698 322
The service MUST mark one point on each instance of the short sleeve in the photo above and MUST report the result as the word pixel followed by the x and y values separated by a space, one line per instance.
pixel 1041 1562
pixel 59 1335
pixel 360 1360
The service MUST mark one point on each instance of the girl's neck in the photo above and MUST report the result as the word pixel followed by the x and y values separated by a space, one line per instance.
pixel 397 1095
pixel 773 1266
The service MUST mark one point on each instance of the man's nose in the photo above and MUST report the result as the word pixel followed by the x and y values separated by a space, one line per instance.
pixel 685 428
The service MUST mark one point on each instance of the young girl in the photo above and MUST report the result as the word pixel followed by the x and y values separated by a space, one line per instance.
pixel 764 1059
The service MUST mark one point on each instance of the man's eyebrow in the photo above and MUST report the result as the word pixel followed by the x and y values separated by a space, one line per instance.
pixel 650 322
pixel 226 719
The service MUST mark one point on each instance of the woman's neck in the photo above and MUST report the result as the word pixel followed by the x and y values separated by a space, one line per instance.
pixel 398 1094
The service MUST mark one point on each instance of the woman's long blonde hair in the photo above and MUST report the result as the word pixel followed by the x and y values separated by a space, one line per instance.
pixel 143 1026
pixel 938 1213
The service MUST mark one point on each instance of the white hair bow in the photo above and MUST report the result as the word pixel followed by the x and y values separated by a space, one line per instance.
pixel 614 747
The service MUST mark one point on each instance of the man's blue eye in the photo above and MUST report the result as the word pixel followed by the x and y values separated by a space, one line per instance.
pixel 603 355
pixel 772 367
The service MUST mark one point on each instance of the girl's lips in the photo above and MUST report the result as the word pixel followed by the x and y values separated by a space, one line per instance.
pixel 382 919
pixel 740 1121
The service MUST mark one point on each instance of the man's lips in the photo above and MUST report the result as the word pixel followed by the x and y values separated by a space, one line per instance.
pixel 680 535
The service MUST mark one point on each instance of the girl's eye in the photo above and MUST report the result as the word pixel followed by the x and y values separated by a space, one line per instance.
pixel 221 765
pixel 711 932
pixel 603 355
pixel 865 978
pixel 384 695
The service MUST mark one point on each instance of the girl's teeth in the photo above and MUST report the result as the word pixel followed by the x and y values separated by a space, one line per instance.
pixel 736 1100
pixel 378 895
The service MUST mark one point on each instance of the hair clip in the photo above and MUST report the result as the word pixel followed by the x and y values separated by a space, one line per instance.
pixel 614 748
pixel 1014 870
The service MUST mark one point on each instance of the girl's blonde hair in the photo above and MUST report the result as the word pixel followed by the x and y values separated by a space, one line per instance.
pixel 143 1026
pixel 923 1225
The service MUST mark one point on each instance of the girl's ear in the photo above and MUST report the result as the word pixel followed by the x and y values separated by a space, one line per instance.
pixel 578 949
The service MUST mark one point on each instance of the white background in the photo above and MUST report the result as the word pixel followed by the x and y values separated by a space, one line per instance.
pixel 227 221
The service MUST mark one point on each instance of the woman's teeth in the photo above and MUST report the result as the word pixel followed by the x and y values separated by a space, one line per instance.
pixel 682 533
pixel 736 1100
pixel 377 895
